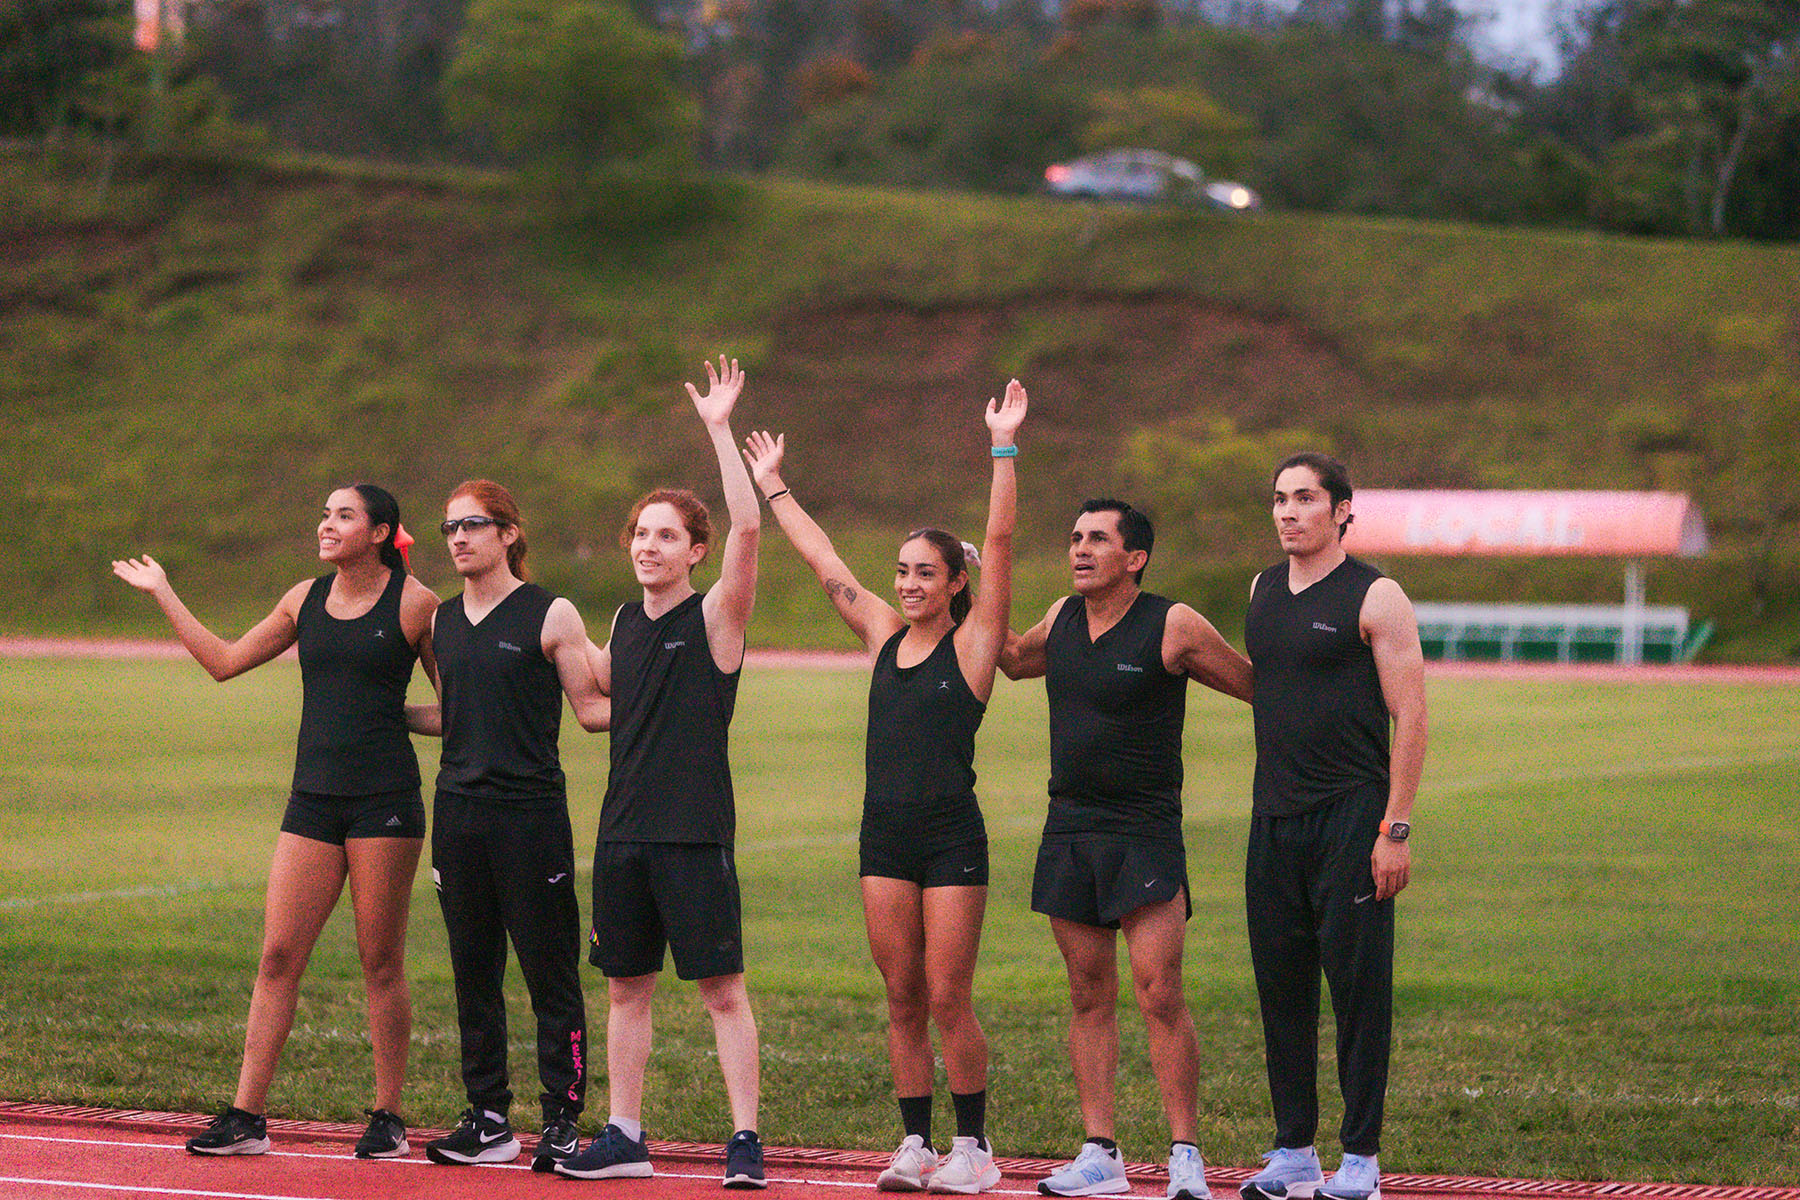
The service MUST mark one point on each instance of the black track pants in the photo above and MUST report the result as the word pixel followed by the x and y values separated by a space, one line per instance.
pixel 509 870
pixel 1309 893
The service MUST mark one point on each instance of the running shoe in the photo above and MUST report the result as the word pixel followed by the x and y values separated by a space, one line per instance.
pixel 612 1155
pixel 1187 1173
pixel 968 1169
pixel 557 1143
pixel 384 1138
pixel 1287 1174
pixel 1358 1177
pixel 911 1164
pixel 479 1139
pixel 1096 1171
pixel 744 1161
pixel 233 1131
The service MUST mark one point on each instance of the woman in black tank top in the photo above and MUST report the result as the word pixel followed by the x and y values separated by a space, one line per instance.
pixel 355 813
pixel 924 848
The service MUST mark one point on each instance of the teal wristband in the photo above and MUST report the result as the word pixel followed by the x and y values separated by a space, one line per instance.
pixel 1004 451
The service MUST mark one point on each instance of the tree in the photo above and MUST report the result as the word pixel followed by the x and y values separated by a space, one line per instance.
pixel 1716 76
pixel 574 83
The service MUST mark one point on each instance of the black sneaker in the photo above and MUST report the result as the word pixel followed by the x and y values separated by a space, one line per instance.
pixel 612 1155
pixel 384 1138
pixel 743 1161
pixel 233 1131
pixel 557 1143
pixel 478 1139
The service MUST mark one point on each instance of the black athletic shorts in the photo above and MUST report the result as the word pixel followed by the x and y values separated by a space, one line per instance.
pixel 932 846
pixel 648 895
pixel 1100 878
pixel 335 819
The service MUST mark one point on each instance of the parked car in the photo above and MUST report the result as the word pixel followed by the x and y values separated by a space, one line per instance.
pixel 1147 176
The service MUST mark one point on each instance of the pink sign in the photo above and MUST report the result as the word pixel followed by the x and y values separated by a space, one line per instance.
pixel 1617 524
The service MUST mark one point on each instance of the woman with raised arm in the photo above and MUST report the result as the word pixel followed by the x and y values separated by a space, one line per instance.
pixel 355 813
pixel 924 850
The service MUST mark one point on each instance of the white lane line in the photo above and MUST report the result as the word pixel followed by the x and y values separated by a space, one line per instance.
pixel 157 892
pixel 862 1184
pixel 142 1189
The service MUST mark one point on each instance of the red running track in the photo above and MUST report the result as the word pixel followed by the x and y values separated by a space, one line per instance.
pixel 60 1152
pixel 1771 675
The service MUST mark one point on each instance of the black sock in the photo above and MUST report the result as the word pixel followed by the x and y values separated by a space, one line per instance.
pixel 971 1114
pixel 915 1117
pixel 1106 1144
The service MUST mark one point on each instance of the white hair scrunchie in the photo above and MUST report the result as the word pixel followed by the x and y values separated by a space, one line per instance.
pixel 971 556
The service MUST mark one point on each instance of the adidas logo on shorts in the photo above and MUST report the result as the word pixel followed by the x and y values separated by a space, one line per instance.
pixel 395 820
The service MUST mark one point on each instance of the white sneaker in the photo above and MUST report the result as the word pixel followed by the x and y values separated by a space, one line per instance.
pixel 1187 1174
pixel 912 1162
pixel 1096 1171
pixel 1358 1177
pixel 1287 1174
pixel 968 1169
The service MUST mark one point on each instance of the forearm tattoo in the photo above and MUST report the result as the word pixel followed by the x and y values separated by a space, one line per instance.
pixel 834 586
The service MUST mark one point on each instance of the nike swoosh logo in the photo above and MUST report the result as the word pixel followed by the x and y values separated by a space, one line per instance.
pixel 968 870
pixel 558 877
pixel 1363 899
pixel 485 1139
pixel 1150 885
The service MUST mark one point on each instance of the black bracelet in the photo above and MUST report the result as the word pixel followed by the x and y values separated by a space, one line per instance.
pixel 774 496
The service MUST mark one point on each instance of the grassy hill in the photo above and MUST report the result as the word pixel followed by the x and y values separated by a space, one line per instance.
pixel 191 361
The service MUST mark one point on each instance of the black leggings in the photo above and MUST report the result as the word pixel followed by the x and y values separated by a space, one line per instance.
pixel 1309 894
pixel 505 869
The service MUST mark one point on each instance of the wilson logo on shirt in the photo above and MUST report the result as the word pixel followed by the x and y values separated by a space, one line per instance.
pixel 673 645
pixel 509 646
pixel 1324 628
pixel 1132 667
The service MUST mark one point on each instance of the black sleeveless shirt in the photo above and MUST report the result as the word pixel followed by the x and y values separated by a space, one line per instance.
pixel 671 722
pixel 922 723
pixel 1321 720
pixel 1115 724
pixel 502 701
pixel 353 677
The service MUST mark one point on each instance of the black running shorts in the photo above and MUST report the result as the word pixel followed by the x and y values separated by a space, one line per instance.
pixel 335 819
pixel 949 849
pixel 1100 878
pixel 648 895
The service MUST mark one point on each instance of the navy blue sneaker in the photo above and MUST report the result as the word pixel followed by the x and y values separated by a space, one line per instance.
pixel 612 1155
pixel 743 1161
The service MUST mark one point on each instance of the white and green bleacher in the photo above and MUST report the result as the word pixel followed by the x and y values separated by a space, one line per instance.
pixel 1568 633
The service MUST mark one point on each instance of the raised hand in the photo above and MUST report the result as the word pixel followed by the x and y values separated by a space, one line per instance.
pixel 764 454
pixel 145 574
pixel 723 386
pixel 1005 416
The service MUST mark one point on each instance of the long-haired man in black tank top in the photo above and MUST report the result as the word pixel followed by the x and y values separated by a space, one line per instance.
pixel 502 851
pixel 1336 650
pixel 664 876
pixel 1116 662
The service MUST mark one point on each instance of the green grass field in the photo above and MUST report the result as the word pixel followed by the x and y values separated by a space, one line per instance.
pixel 1597 973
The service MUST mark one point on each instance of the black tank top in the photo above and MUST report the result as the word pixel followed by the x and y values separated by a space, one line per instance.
pixel 671 724
pixel 1321 720
pixel 1115 724
pixel 502 701
pixel 922 723
pixel 353 677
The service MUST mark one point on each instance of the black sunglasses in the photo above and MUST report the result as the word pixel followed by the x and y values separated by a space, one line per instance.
pixel 451 526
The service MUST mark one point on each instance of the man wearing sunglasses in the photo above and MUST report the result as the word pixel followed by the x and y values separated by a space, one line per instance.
pixel 502 852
